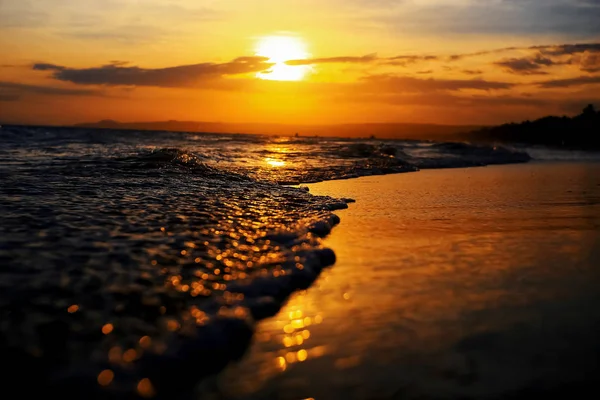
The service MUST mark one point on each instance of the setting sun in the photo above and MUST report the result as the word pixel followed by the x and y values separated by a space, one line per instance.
pixel 280 49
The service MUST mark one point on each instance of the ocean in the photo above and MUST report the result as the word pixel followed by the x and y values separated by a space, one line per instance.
pixel 137 264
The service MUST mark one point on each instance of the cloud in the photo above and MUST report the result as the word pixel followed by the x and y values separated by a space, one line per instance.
pixel 472 71
pixel 565 83
pixel 331 60
pixel 447 100
pixel 457 57
pixel 401 60
pixel 590 62
pixel 11 91
pixel 399 84
pixel 117 74
pixel 547 50
pixel 484 17
pixel 587 55
pixel 567 49
pixel 20 15
pixel 404 60
pixel 526 65
pixel 541 57
pixel 129 34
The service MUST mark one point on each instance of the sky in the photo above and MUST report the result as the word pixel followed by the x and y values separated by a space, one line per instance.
pixel 297 61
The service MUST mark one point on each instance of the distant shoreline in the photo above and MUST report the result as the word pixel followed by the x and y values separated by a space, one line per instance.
pixel 579 132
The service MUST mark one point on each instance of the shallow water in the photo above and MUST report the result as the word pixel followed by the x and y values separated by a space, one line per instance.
pixel 471 283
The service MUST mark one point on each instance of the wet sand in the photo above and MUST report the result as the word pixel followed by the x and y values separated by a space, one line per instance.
pixel 465 283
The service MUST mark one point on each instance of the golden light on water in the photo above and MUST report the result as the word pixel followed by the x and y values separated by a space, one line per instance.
pixel 273 162
pixel 280 49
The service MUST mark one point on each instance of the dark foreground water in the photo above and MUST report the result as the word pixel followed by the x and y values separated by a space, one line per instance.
pixel 135 264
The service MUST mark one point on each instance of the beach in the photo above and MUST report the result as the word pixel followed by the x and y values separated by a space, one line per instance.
pixel 454 283
pixel 167 265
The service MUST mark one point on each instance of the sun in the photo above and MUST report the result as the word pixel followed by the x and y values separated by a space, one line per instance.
pixel 280 49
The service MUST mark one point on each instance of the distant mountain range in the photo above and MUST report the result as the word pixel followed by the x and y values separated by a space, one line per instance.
pixel 379 130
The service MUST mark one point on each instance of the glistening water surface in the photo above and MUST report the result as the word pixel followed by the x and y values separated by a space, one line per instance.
pixel 470 283
pixel 136 264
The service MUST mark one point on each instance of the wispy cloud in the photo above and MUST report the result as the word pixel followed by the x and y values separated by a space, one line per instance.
pixel 10 91
pixel 472 71
pixel 22 14
pixel 574 18
pixel 335 60
pixel 447 100
pixel 128 34
pixel 565 83
pixel 532 60
pixel 403 84
pixel 401 60
pixel 568 49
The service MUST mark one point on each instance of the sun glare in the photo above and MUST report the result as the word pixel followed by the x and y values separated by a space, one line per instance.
pixel 273 162
pixel 280 49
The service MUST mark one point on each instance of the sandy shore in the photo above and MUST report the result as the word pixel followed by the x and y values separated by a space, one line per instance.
pixel 449 283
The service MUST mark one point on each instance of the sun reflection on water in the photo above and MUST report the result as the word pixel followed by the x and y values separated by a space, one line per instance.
pixel 273 162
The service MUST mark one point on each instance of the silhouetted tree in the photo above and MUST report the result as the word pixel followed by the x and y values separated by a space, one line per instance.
pixel 578 132
pixel 589 111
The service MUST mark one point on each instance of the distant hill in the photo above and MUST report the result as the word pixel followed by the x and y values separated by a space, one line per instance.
pixel 579 132
pixel 379 130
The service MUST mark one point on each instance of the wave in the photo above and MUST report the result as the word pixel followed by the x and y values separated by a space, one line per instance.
pixel 549 154
pixel 150 265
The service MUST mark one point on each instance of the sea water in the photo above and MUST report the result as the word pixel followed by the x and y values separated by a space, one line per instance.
pixel 137 263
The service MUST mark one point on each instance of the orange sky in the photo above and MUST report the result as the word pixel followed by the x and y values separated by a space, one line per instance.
pixel 299 62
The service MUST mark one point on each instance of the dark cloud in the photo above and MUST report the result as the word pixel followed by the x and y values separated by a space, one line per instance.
pixel 526 65
pixel 546 50
pixel 564 83
pixel 331 60
pixel 399 84
pixel 584 54
pixel 13 88
pixel 179 76
pixel 472 71
pixel 408 59
pixel 426 72
pixel 48 67
pixel 567 49
pixel 457 57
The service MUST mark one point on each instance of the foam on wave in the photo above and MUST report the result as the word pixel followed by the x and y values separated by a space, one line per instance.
pixel 151 275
